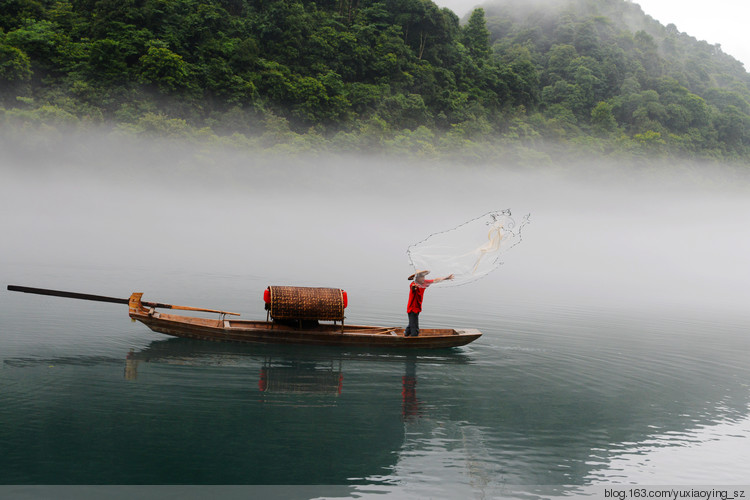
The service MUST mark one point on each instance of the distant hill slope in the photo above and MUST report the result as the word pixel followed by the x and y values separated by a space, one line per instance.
pixel 616 23
pixel 397 75
pixel 610 65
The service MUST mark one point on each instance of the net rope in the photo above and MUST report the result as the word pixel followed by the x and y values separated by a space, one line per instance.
pixel 471 250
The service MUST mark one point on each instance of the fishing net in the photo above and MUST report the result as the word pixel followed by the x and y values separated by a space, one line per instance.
pixel 470 251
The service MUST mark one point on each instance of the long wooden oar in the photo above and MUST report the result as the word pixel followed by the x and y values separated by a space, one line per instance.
pixel 102 298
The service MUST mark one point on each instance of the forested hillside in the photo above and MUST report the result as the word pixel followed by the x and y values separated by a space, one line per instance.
pixel 405 76
pixel 605 68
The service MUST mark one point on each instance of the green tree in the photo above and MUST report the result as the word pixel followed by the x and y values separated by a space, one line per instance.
pixel 15 65
pixel 602 119
pixel 405 111
pixel 733 127
pixel 163 68
pixel 559 59
pixel 39 40
pixel 107 59
pixel 475 35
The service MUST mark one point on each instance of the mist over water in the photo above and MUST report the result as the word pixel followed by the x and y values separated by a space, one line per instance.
pixel 615 335
pixel 609 235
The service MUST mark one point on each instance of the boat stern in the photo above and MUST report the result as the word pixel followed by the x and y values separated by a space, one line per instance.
pixel 134 304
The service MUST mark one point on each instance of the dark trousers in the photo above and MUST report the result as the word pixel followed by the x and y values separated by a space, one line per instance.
pixel 413 329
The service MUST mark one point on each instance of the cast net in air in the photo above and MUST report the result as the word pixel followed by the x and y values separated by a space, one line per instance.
pixel 469 251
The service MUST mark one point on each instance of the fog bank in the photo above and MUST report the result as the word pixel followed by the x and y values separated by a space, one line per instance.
pixel 601 235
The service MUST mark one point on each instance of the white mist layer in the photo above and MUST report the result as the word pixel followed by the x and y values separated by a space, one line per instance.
pixel 602 236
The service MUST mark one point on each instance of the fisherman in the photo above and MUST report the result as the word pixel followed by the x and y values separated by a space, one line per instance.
pixel 416 293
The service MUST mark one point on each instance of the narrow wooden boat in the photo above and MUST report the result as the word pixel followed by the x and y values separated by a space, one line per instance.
pixel 302 330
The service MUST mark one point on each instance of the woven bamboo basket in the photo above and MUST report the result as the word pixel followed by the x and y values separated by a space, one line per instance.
pixel 306 303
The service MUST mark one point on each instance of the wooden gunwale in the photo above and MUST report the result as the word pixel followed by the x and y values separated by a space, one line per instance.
pixel 266 332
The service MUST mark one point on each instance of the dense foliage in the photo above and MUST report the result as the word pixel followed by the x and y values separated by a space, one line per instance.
pixel 607 69
pixel 402 75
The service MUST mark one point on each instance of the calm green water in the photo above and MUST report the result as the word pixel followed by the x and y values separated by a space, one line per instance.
pixel 569 397
pixel 615 347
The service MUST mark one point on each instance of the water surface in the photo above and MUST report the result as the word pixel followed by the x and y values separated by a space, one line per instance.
pixel 615 341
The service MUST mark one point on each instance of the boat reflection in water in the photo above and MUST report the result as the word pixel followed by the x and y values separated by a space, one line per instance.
pixel 314 415
pixel 278 375
pixel 286 370
pixel 300 378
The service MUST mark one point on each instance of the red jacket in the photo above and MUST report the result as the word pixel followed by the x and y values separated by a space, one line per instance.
pixel 416 294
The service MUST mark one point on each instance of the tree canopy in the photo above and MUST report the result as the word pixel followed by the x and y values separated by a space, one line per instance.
pixel 376 75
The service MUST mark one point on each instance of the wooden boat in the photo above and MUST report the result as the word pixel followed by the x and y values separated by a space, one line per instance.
pixel 300 330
